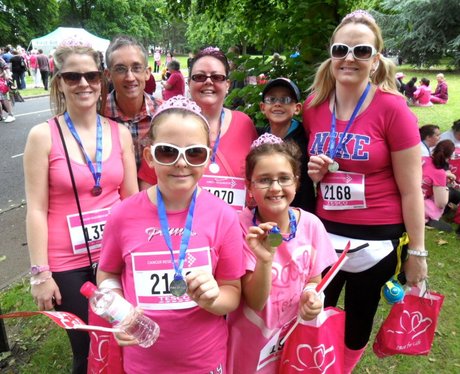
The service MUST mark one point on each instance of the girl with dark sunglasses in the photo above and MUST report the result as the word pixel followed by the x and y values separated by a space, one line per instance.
pixel 176 251
pixel 365 157
pixel 231 131
pixel 76 167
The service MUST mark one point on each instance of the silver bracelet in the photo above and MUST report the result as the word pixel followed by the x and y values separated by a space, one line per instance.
pixel 418 253
pixel 35 282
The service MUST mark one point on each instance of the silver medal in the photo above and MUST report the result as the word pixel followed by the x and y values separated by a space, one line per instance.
pixel 214 168
pixel 333 167
pixel 178 287
pixel 274 237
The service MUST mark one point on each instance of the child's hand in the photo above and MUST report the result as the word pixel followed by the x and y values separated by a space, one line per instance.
pixel 202 288
pixel 317 167
pixel 124 340
pixel 257 241
pixel 310 304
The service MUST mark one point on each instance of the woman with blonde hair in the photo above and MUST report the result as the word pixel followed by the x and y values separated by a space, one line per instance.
pixel 77 165
pixel 365 157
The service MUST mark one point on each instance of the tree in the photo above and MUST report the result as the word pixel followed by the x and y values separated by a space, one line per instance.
pixel 21 21
pixel 423 31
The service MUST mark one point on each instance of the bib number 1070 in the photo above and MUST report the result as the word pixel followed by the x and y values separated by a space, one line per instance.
pixel 337 192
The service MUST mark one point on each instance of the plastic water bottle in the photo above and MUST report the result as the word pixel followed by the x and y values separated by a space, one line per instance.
pixel 112 307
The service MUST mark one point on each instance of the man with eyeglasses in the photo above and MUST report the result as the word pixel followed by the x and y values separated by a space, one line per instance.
pixel 128 71
pixel 280 104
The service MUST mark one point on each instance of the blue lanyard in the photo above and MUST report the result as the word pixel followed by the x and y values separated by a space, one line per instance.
pixel 98 172
pixel 216 143
pixel 333 150
pixel 185 237
pixel 292 225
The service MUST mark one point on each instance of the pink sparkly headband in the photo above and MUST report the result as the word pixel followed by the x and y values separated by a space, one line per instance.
pixel 359 14
pixel 266 138
pixel 74 42
pixel 181 102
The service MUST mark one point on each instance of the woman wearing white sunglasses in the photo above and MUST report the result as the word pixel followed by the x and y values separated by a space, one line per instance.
pixel 365 157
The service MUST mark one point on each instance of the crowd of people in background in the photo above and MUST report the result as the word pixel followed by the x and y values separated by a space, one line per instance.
pixel 176 178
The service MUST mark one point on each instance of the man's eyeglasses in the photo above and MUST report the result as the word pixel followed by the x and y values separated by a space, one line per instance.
pixel 168 154
pixel 214 77
pixel 123 70
pixel 73 78
pixel 362 52
pixel 265 182
pixel 282 100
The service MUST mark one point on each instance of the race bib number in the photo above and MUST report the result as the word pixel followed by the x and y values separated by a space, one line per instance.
pixel 343 190
pixel 273 348
pixel 154 272
pixel 229 189
pixel 94 222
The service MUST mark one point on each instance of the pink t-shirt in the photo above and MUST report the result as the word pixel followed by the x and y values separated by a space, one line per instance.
pixel 387 125
pixel 191 340
pixel 63 219
pixel 231 154
pixel 254 335
pixel 33 61
pixel 177 81
pixel 423 95
pixel 432 177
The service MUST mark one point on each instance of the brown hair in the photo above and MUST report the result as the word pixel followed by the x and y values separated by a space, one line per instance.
pixel 383 76
pixel 288 149
pixel 441 152
pixel 57 99
pixel 157 120
pixel 213 52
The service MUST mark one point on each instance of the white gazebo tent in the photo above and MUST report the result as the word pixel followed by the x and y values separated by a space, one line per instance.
pixel 49 42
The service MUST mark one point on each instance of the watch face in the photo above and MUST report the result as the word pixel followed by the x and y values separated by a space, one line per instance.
pixel 34 270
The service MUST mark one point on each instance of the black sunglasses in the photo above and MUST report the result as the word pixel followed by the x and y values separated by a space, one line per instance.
pixel 214 77
pixel 73 78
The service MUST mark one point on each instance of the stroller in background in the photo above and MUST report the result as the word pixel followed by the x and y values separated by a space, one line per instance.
pixel 14 94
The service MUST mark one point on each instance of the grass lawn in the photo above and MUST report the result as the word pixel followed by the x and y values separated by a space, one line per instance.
pixel 38 346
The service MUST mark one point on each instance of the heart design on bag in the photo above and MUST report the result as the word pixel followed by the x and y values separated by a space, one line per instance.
pixel 413 323
pixel 319 357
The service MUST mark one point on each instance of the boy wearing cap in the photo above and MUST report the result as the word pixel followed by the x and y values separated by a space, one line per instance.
pixel 280 103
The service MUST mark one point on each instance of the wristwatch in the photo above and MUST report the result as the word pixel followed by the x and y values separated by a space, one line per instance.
pixel 37 269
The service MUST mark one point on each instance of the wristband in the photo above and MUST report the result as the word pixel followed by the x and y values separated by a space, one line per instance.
pixel 110 283
pixel 310 287
pixel 417 253
pixel 34 281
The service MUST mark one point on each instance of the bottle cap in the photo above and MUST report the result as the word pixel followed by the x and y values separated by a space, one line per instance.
pixel 88 289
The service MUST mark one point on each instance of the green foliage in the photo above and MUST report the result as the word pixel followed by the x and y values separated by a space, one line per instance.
pixel 424 31
pixel 21 21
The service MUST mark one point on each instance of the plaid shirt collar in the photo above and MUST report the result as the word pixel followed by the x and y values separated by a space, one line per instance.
pixel 112 110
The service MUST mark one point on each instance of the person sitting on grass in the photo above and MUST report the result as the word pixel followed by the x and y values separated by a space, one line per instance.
pixel 434 184
pixel 440 95
pixel 423 93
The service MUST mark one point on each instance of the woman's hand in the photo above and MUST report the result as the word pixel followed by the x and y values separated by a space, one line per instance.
pixel 46 294
pixel 317 167
pixel 257 241
pixel 415 269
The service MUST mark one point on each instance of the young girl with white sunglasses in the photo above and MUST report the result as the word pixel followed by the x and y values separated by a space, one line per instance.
pixel 176 251
pixel 276 272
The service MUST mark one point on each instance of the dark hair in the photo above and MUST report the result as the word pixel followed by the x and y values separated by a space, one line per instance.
pixel 213 52
pixel 412 82
pixel 425 81
pixel 174 64
pixel 427 130
pixel 288 149
pixel 124 41
pixel 456 126
pixel 441 153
